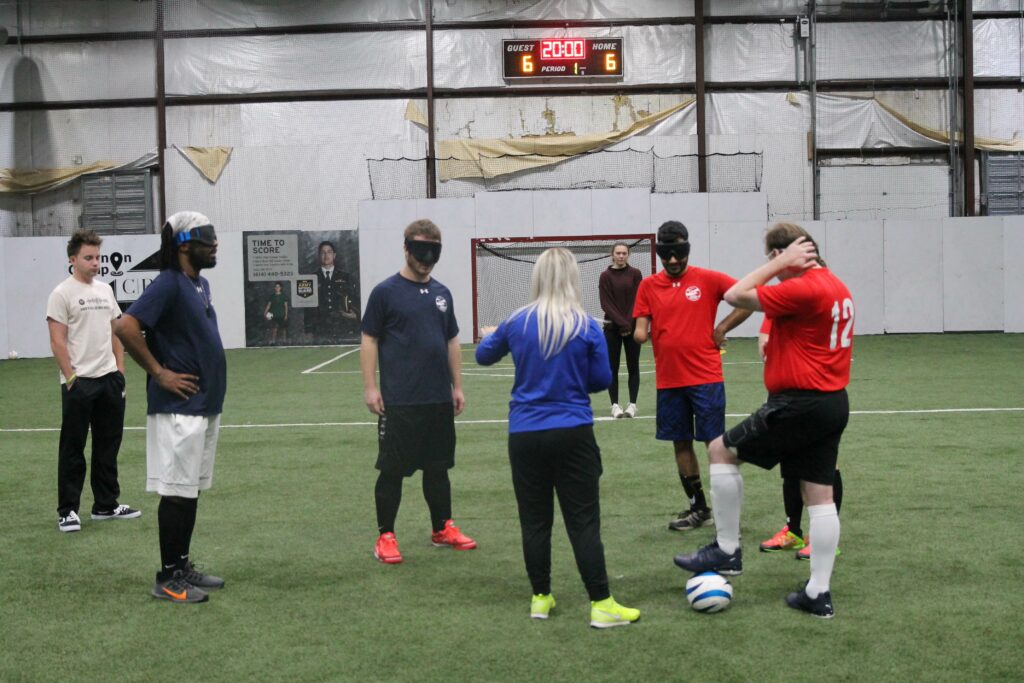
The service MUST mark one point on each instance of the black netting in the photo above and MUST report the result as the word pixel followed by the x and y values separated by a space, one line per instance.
pixel 502 282
pixel 406 178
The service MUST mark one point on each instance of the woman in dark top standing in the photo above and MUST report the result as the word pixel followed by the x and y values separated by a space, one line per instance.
pixel 618 285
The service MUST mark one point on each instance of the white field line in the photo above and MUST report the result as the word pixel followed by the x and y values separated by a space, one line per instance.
pixel 291 425
pixel 328 362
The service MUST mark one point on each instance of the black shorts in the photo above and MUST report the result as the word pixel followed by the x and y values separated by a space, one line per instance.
pixel 799 429
pixel 414 438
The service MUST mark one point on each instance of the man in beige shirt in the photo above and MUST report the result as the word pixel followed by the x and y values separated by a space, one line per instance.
pixel 80 313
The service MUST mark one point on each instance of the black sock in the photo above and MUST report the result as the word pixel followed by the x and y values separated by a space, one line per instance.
pixel 173 514
pixel 694 491
pixel 837 491
pixel 188 524
pixel 793 504
pixel 437 490
pixel 388 495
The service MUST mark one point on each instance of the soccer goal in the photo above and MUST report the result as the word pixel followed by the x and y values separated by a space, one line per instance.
pixel 502 267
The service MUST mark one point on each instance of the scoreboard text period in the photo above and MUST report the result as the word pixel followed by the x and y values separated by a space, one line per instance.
pixel 539 58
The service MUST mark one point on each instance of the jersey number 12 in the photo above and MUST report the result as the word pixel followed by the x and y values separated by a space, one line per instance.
pixel 845 340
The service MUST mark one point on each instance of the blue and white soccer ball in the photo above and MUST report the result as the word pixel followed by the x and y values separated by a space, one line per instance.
pixel 708 592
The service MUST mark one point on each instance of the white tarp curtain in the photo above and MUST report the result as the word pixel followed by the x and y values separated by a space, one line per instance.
pixel 999 113
pixel 997 45
pixel 902 49
pixel 990 5
pixel 55 17
pixel 734 7
pixel 654 54
pixel 77 71
pixel 203 14
pixel 851 122
pixel 489 10
pixel 378 60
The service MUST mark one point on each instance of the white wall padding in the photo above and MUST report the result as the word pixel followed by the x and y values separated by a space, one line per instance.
pixel 380 60
pixel 653 54
pixel 618 211
pixel 5 347
pixel 913 276
pixel 1013 273
pixel 997 47
pixel 752 52
pixel 202 14
pixel 490 10
pixel 504 214
pixel 871 50
pixel 854 253
pixel 972 274
pixel 78 71
pixel 874 192
pixel 562 212
pixel 736 249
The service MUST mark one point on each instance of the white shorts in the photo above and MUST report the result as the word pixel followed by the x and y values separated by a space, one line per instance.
pixel 180 450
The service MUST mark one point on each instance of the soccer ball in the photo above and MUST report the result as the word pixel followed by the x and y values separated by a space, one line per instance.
pixel 270 316
pixel 708 592
pixel 13 355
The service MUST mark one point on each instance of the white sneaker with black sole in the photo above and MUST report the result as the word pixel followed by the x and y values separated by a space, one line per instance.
pixel 120 512
pixel 616 411
pixel 630 410
pixel 70 522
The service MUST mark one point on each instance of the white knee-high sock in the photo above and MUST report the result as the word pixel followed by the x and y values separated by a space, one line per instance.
pixel 824 541
pixel 727 500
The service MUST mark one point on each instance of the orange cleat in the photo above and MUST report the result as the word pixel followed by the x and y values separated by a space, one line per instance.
pixel 783 540
pixel 386 550
pixel 805 552
pixel 451 537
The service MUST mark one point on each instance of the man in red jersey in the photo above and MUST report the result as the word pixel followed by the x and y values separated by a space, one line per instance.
pixel 676 308
pixel 807 368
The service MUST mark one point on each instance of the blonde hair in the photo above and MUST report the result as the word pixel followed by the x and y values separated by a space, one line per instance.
pixel 555 301
pixel 781 235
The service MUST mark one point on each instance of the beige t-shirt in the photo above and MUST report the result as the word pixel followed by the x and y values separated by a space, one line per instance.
pixel 87 310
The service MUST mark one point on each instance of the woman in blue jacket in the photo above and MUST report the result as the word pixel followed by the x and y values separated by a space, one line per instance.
pixel 560 358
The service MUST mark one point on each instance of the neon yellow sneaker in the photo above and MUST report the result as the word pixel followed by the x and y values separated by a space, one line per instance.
pixel 541 605
pixel 608 613
pixel 783 540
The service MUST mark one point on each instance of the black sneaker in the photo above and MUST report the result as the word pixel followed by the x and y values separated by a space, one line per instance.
pixel 177 589
pixel 201 580
pixel 691 519
pixel 711 558
pixel 120 512
pixel 69 522
pixel 820 606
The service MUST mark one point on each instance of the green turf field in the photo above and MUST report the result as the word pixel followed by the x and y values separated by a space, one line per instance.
pixel 930 585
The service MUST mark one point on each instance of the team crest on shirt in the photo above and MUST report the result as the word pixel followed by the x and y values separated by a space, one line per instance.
pixel 442 304
pixel 693 293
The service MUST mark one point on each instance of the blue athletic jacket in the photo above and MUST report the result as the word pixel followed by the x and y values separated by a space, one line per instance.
pixel 548 393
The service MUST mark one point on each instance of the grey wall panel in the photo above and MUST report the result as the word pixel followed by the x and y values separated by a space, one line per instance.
pixel 504 214
pixel 32 268
pixel 737 206
pixel 913 276
pixel 972 274
pixel 617 211
pixel 736 249
pixel 854 253
pixel 561 212
pixel 5 346
pixel 1013 273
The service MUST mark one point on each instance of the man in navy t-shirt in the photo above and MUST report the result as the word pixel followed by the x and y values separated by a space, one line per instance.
pixel 409 327
pixel 183 355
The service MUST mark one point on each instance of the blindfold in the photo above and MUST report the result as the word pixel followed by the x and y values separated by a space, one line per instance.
pixel 424 252
pixel 667 250
pixel 204 234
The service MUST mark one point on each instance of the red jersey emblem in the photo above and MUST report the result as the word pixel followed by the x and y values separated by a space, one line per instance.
pixel 693 293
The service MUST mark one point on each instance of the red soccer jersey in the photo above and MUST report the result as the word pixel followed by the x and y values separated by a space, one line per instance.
pixel 682 314
pixel 811 338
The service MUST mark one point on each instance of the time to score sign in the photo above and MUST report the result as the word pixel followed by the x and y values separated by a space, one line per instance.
pixel 541 58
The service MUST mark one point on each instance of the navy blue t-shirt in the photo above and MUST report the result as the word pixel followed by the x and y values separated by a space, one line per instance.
pixel 413 322
pixel 181 330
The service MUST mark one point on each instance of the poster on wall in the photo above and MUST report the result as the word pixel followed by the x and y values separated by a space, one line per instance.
pixel 301 287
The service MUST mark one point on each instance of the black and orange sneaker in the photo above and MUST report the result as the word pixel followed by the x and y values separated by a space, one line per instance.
pixel 451 537
pixel 177 589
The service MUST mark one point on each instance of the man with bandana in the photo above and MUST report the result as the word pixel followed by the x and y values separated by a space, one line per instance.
pixel 409 328
pixel 183 356
pixel 676 309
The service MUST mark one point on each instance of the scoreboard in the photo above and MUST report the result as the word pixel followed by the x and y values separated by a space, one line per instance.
pixel 541 58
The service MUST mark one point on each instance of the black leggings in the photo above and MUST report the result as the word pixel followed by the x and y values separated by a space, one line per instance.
pixel 615 342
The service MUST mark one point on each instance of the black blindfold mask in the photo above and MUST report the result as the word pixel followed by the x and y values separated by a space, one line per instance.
pixel 424 252
pixel 667 250
pixel 204 234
